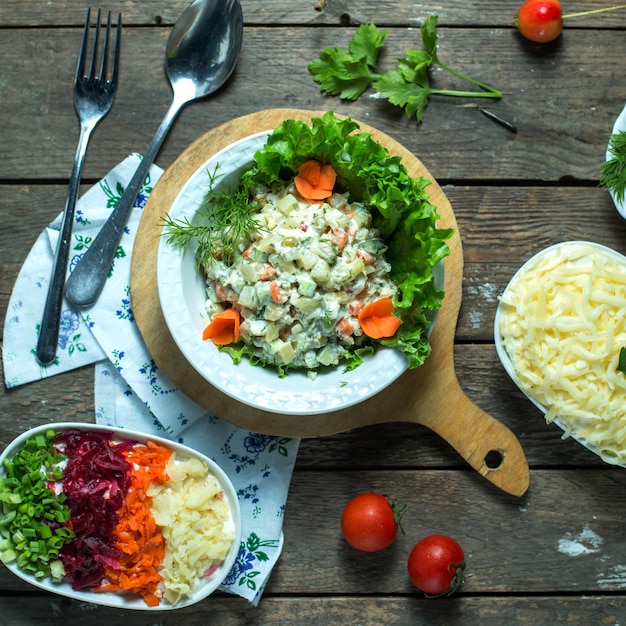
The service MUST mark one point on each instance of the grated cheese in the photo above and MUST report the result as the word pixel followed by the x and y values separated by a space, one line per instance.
pixel 196 522
pixel 562 324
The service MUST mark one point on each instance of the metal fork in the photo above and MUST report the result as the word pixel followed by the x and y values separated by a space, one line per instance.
pixel 93 99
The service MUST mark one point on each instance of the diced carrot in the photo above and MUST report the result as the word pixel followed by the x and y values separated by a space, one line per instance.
pixel 224 328
pixel 248 251
pixel 220 291
pixel 366 257
pixel 377 319
pixel 341 238
pixel 275 292
pixel 268 272
pixel 344 326
pixel 355 307
pixel 315 180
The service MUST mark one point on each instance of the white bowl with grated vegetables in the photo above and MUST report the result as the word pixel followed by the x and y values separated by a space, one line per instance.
pixel 188 302
pixel 560 334
pixel 196 506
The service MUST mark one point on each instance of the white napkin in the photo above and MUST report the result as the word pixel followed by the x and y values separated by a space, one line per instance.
pixel 131 392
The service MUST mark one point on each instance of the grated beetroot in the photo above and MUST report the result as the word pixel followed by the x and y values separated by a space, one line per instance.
pixel 95 482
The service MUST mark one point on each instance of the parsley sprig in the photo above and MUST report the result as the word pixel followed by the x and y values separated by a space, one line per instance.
pixel 224 222
pixel 349 74
pixel 613 171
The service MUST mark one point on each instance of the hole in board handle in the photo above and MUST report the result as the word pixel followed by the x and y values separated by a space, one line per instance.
pixel 493 459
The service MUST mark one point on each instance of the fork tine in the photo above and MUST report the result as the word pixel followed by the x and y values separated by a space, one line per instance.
pixel 80 68
pixel 116 58
pixel 105 52
pixel 94 54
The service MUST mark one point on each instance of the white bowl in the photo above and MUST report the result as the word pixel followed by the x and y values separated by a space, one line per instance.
pixel 620 125
pixel 182 296
pixel 506 360
pixel 205 587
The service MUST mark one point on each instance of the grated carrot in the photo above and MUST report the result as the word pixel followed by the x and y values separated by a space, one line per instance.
pixel 137 536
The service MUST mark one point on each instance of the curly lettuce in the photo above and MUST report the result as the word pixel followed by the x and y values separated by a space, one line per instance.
pixel 400 206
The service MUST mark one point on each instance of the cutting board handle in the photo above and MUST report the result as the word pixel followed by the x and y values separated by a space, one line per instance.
pixel 484 442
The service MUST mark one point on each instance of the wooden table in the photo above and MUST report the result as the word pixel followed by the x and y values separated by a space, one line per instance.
pixel 555 555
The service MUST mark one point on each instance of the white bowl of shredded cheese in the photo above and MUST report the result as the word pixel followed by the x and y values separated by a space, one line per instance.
pixel 559 329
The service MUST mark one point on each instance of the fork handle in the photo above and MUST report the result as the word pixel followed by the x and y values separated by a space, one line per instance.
pixel 48 339
pixel 88 277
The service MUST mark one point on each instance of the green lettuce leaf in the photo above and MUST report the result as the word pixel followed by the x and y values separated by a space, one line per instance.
pixel 400 206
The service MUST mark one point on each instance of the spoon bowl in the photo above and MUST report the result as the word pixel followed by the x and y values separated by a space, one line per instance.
pixel 198 64
pixel 201 54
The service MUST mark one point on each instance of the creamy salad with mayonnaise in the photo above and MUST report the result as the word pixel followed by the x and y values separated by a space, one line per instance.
pixel 300 285
pixel 321 253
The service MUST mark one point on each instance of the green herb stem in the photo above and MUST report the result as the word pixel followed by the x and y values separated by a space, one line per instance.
pixel 465 94
pixel 490 91
pixel 591 12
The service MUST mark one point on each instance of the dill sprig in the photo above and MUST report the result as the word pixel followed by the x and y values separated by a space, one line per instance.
pixel 223 222
pixel 613 172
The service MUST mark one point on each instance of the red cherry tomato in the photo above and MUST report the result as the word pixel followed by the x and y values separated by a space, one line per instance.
pixel 540 20
pixel 436 565
pixel 370 522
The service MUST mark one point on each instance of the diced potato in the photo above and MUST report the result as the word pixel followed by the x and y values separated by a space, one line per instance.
pixel 283 349
pixel 251 270
pixel 328 355
pixel 321 271
pixel 248 298
pixel 307 287
pixel 287 204
pixel 257 328
pixel 305 304
pixel 273 312
pixel 307 259
pixel 271 332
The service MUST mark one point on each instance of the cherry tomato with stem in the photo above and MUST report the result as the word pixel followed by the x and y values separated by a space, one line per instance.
pixel 370 522
pixel 541 21
pixel 436 565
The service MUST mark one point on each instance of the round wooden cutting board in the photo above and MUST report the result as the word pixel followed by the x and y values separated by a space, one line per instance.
pixel 429 395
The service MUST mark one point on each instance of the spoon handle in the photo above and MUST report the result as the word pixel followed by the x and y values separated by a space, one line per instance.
pixel 88 277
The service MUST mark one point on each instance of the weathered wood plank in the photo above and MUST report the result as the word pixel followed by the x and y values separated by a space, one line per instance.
pixel 70 397
pixel 567 128
pixel 336 12
pixel 600 610
pixel 568 533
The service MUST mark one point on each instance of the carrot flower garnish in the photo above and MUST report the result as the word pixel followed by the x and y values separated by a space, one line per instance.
pixel 315 180
pixel 224 328
pixel 377 319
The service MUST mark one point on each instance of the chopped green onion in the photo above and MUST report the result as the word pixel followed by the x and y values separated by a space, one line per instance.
pixel 30 510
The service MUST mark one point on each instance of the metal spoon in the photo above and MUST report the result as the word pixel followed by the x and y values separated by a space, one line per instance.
pixel 201 53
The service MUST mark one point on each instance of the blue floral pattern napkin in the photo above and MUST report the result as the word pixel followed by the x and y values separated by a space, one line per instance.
pixel 130 390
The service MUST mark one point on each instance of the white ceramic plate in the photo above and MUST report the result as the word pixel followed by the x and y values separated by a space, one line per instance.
pixel 203 589
pixel 504 357
pixel 182 297
pixel 620 125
